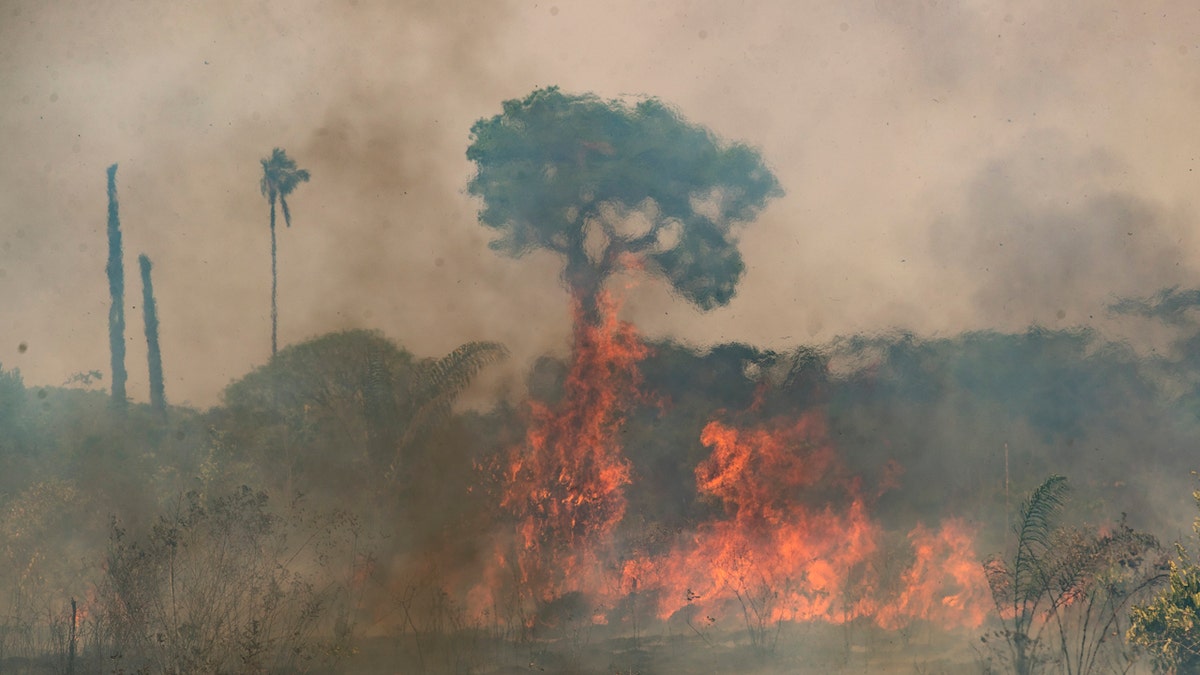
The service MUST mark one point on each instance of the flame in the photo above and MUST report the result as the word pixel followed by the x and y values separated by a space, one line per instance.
pixel 944 584
pixel 793 559
pixel 566 483
pixel 793 539
pixel 797 542
pixel 83 609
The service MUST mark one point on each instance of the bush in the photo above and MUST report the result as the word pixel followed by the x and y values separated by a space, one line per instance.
pixel 216 586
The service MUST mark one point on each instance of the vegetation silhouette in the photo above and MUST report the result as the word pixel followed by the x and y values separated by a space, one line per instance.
pixel 1168 625
pixel 345 408
pixel 280 178
pixel 611 187
pixel 1065 591
pixel 311 420
pixel 115 269
pixel 158 397
pixel 183 535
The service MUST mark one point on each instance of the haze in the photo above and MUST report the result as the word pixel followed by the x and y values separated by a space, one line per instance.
pixel 948 166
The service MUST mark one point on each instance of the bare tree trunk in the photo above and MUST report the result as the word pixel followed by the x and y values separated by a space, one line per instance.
pixel 116 289
pixel 158 399
pixel 274 284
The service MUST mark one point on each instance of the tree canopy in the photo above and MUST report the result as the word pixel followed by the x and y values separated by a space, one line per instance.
pixel 612 186
pixel 352 401
pixel 280 178
pixel 1168 626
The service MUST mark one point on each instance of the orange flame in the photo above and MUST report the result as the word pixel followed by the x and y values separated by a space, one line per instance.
pixel 566 485
pixel 795 541
pixel 770 545
pixel 945 583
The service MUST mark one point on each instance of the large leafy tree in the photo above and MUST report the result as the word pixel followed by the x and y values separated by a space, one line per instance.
pixel 280 177
pixel 610 186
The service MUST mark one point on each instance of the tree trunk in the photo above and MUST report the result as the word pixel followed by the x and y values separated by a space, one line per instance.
pixel 158 398
pixel 585 280
pixel 116 289
pixel 274 284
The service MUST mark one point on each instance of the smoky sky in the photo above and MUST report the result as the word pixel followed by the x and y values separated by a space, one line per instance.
pixel 912 139
pixel 1042 235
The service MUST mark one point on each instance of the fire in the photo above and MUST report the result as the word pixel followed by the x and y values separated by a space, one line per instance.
pixel 797 542
pixel 81 611
pixel 944 584
pixel 798 558
pixel 794 540
pixel 566 484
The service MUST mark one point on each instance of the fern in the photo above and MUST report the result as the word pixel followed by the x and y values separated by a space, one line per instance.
pixel 1069 585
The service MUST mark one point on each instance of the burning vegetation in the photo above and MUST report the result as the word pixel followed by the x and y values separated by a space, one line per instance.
pixel 566 482
pixel 791 539
pixel 649 507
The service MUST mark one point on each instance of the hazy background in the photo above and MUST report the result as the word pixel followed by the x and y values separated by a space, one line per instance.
pixel 948 166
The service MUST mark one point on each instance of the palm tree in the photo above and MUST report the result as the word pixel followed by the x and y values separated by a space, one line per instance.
pixel 1020 585
pixel 280 177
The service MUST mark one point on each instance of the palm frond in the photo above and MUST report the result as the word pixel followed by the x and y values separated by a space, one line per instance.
pixel 1074 563
pixel 437 383
pixel 297 177
pixel 280 175
pixel 441 381
pixel 1031 574
pixel 266 185
pixel 1038 513
pixel 287 213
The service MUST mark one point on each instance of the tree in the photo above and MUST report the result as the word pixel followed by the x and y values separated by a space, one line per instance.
pixel 158 399
pixel 1169 625
pixel 280 177
pixel 116 289
pixel 612 187
pixel 343 408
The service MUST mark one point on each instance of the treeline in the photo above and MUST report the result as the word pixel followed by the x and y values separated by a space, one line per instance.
pixel 345 453
pixel 204 541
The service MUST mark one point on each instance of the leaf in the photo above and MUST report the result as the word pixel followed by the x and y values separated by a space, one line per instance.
pixel 439 382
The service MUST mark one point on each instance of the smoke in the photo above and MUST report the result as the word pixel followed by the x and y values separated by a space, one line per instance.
pixel 882 122
pixel 1045 235
pixel 955 174
pixel 375 98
